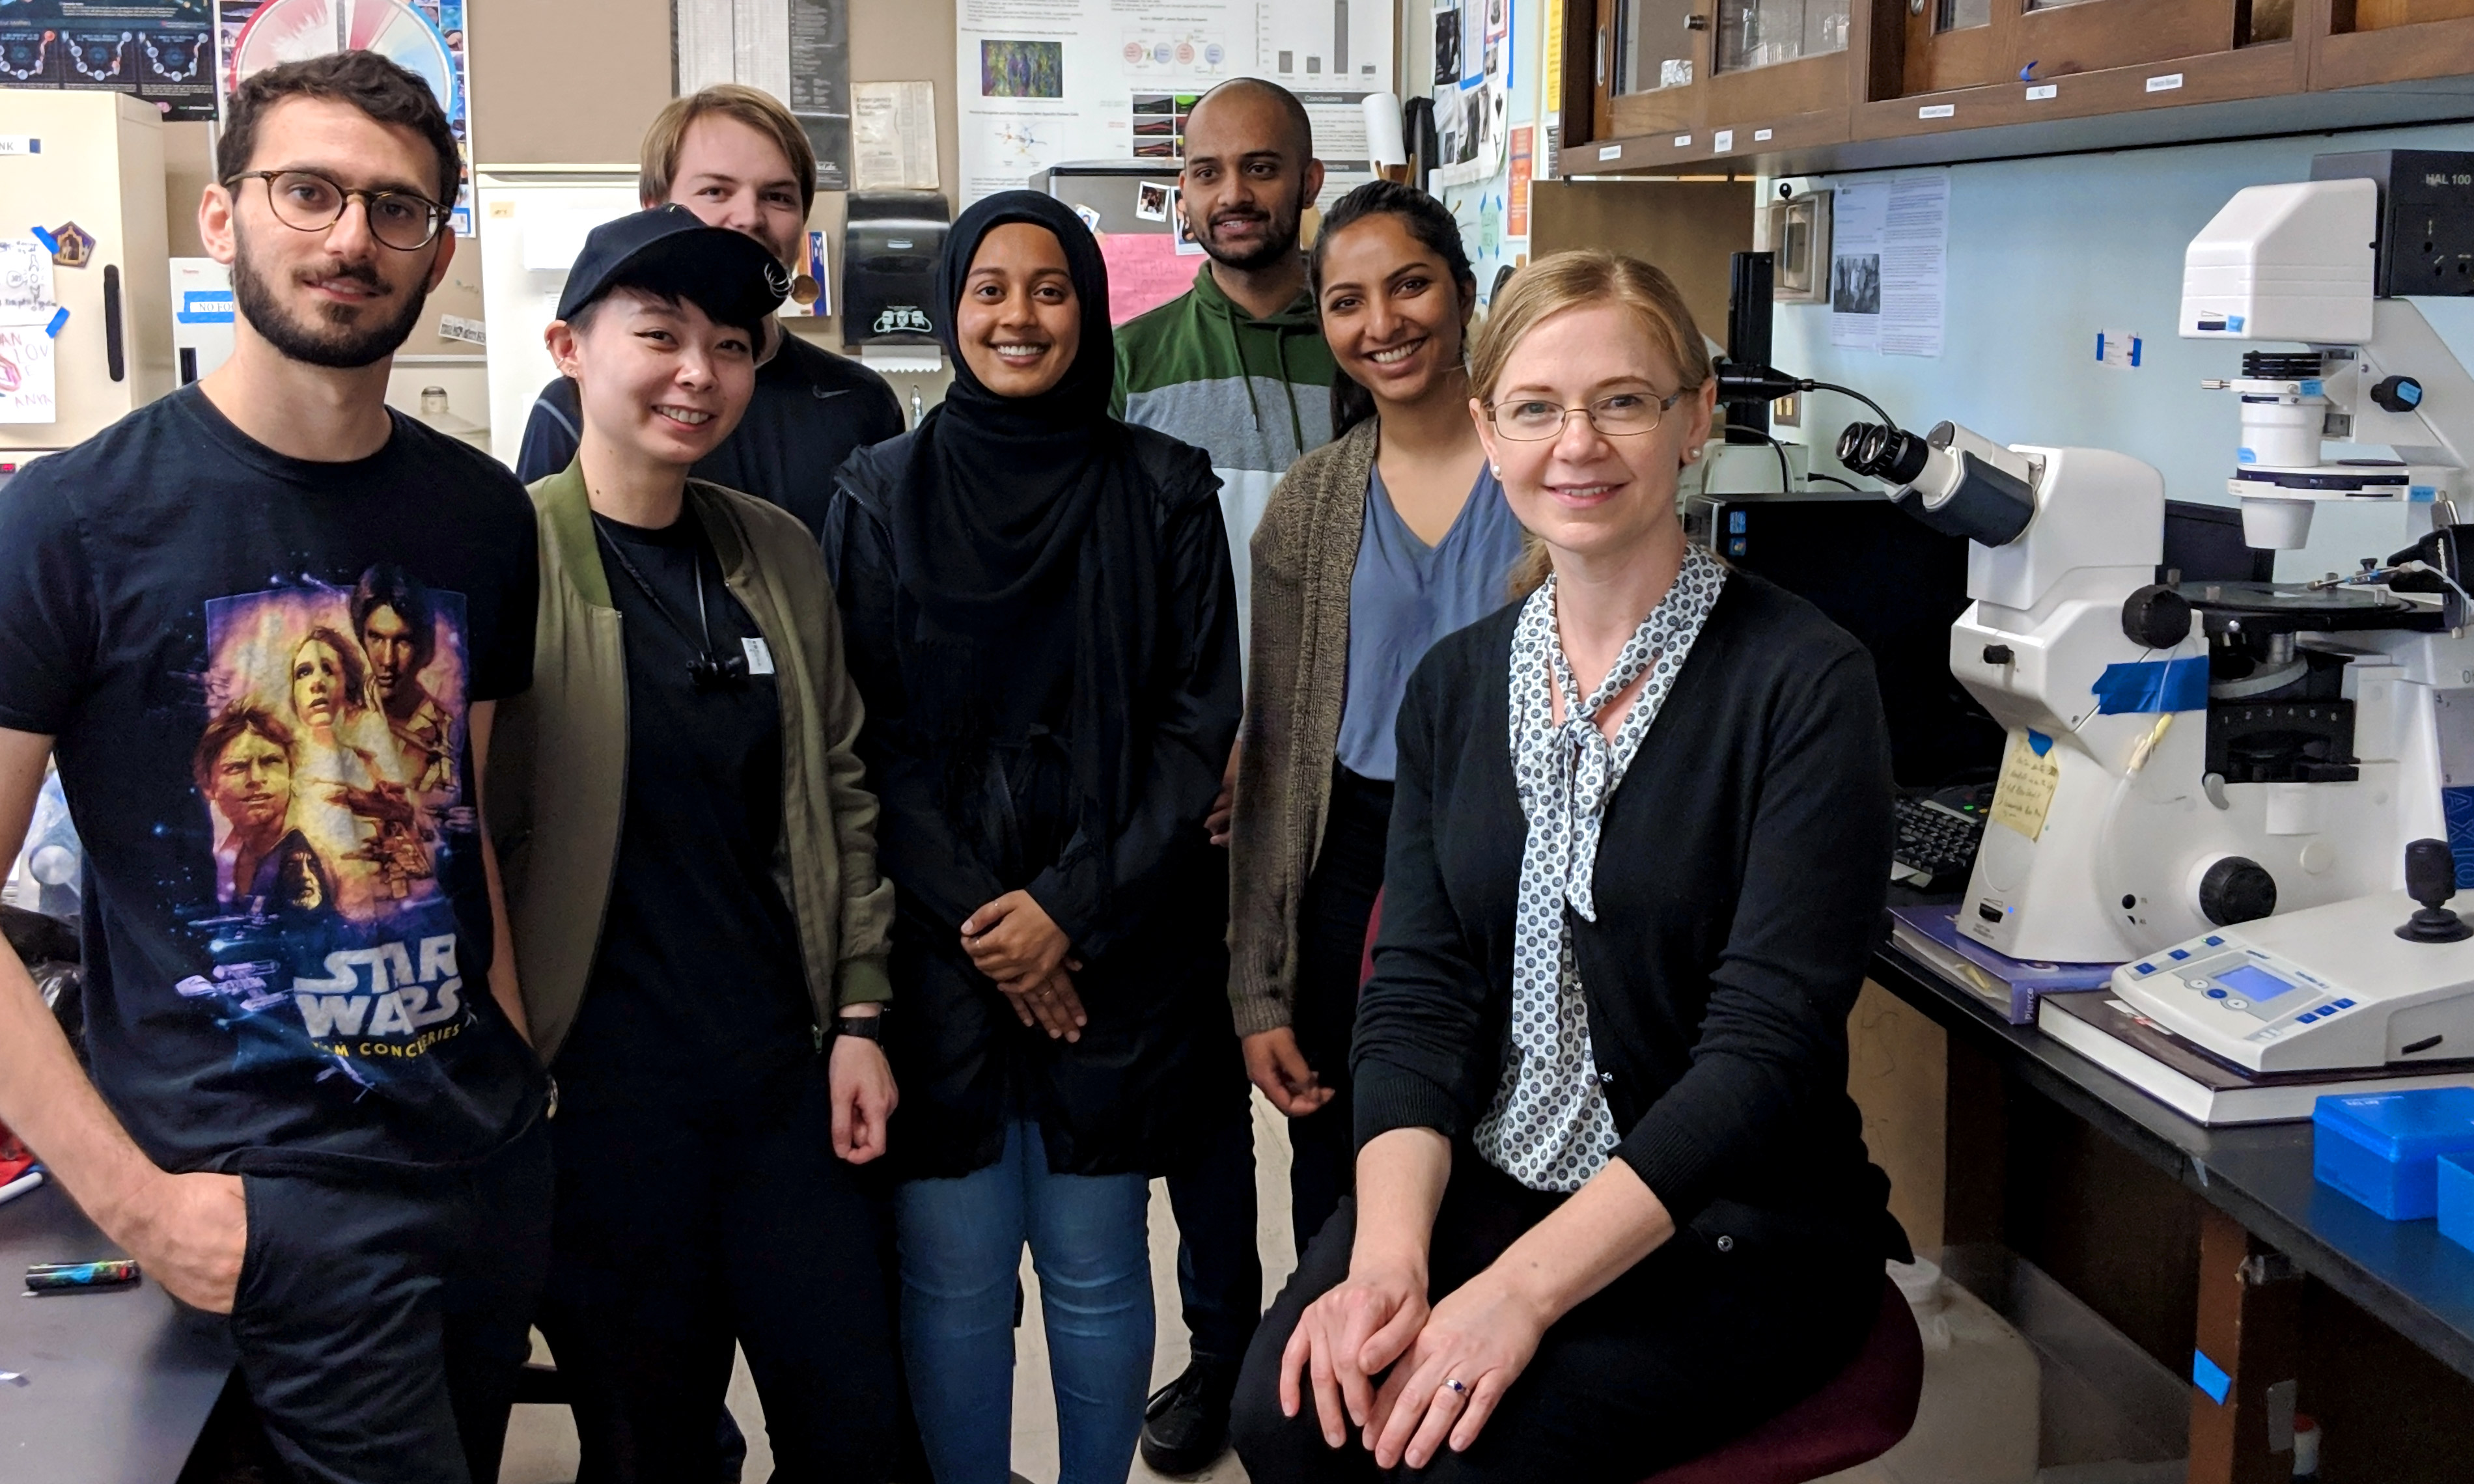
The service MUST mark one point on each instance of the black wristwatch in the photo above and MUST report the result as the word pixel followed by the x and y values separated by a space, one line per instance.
pixel 864 1027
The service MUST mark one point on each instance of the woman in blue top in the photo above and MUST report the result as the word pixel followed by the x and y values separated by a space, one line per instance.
pixel 1375 545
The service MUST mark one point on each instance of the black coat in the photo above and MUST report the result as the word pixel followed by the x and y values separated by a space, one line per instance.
pixel 1742 863
pixel 1148 917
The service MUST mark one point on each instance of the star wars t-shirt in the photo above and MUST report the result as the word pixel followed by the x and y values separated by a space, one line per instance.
pixel 260 673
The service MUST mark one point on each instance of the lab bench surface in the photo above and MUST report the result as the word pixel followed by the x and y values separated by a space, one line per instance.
pixel 2403 1273
pixel 118 1381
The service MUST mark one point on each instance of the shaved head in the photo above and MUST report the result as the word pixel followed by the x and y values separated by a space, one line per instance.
pixel 1264 115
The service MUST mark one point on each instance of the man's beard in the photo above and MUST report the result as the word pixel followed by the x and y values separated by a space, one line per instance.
pixel 1280 245
pixel 339 346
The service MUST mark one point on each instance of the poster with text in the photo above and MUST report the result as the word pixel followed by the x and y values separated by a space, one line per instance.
pixel 1051 82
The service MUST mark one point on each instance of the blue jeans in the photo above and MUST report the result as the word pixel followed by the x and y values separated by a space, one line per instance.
pixel 961 1243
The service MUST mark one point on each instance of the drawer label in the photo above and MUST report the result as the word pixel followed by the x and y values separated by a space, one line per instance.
pixel 1611 152
pixel 1938 110
pixel 1723 140
pixel 2166 83
pixel 2044 91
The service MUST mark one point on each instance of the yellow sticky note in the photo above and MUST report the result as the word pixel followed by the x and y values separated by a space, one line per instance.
pixel 2025 794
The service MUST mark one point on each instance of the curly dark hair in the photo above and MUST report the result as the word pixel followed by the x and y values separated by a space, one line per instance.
pixel 367 81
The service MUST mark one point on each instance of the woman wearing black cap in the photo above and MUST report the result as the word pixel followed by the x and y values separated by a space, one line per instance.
pixel 1042 624
pixel 693 884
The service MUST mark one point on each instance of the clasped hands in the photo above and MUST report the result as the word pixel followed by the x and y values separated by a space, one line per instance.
pixel 1482 1336
pixel 1014 942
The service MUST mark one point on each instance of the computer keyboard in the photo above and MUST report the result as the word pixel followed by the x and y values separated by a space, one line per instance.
pixel 1936 845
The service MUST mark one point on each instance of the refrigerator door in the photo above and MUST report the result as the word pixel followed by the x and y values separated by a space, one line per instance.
pixel 534 224
pixel 94 160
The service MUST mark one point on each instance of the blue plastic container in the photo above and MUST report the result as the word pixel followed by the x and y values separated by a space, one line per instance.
pixel 2457 1198
pixel 2384 1149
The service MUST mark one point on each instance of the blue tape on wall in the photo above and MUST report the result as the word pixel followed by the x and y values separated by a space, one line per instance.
pixel 2152 685
pixel 2209 1378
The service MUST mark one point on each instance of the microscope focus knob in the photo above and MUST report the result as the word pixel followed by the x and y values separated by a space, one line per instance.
pixel 2237 890
pixel 2430 879
pixel 2156 617
pixel 2398 393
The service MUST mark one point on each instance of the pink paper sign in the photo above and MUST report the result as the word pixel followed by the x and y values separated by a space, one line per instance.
pixel 1144 271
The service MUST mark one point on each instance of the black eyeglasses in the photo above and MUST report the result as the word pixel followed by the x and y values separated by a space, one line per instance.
pixel 1623 414
pixel 307 201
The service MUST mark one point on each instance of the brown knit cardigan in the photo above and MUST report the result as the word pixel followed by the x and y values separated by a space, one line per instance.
pixel 1297 675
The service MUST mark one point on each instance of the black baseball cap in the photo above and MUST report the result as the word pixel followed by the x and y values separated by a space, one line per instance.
pixel 668 250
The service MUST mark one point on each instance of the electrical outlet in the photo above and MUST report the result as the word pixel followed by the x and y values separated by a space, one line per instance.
pixel 1788 412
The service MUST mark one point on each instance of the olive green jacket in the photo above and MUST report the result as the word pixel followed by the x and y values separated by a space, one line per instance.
pixel 558 760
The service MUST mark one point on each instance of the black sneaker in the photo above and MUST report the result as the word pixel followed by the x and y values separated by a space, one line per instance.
pixel 1185 1423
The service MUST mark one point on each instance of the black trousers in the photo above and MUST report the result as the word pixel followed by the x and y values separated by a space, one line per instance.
pixel 679 1233
pixel 1218 1265
pixel 382 1324
pixel 1332 913
pixel 1691 1348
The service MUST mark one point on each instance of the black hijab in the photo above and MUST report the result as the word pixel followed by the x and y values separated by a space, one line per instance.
pixel 1009 505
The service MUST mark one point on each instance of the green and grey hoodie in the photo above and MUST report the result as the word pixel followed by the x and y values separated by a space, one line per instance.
pixel 1253 394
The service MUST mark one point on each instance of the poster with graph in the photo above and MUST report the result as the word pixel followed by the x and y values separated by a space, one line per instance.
pixel 1048 82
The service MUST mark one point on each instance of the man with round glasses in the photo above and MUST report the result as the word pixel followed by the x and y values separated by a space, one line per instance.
pixel 352 1162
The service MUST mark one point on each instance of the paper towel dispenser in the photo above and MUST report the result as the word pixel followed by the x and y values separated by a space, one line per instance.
pixel 891 241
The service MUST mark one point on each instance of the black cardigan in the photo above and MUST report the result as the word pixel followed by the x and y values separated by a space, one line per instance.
pixel 1131 1094
pixel 1742 867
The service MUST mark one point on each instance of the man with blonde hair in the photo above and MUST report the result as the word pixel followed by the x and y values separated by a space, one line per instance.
pixel 736 158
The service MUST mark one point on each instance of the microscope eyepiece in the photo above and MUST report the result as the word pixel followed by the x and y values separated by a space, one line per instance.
pixel 1877 451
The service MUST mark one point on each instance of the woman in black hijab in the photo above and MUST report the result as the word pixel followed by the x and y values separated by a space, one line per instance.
pixel 1041 622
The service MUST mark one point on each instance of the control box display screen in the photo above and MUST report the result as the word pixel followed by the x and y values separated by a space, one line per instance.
pixel 2257 983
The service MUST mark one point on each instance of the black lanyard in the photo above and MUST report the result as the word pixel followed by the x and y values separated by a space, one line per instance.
pixel 708 671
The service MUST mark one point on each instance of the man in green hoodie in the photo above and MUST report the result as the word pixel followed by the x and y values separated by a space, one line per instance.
pixel 1236 364
pixel 1237 367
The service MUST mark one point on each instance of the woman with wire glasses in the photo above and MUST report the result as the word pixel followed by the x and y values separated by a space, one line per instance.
pixel 1613 1201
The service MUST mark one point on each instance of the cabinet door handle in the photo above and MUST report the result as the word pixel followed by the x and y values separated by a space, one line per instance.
pixel 1602 56
pixel 1696 23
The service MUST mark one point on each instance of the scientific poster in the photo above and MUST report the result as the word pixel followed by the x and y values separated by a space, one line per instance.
pixel 1047 82
pixel 158 50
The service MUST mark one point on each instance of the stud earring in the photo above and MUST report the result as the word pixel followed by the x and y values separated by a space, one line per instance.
pixel 1496 469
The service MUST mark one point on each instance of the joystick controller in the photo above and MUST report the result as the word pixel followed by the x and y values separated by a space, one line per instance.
pixel 2430 879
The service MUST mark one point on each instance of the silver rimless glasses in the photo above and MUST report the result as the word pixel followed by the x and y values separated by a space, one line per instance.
pixel 1617 415
pixel 307 201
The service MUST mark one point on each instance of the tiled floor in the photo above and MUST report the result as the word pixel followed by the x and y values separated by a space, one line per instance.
pixel 540 1442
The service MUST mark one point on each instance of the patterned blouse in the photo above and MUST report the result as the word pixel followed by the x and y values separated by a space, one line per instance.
pixel 1549 1127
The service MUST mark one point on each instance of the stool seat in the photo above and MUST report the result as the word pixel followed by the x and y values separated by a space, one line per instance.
pixel 1858 1415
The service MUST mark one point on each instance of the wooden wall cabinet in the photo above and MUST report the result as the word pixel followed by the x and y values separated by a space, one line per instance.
pixel 1923 82
pixel 1703 80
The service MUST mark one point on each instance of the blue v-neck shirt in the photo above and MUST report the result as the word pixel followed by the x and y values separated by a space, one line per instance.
pixel 1404 596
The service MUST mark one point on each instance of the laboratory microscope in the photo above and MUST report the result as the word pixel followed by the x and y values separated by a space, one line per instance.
pixel 2187 757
